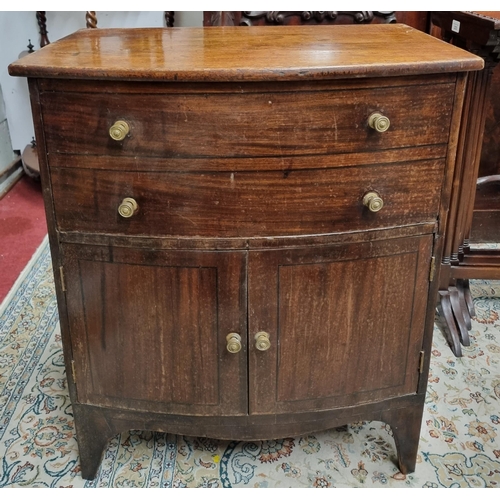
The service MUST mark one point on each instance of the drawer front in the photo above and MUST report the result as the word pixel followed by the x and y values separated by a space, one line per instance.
pixel 246 204
pixel 246 124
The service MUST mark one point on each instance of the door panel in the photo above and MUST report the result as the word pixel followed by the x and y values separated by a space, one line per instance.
pixel 152 335
pixel 345 321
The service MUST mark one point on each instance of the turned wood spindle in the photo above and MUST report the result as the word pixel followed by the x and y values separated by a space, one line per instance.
pixel 169 18
pixel 42 24
pixel 91 19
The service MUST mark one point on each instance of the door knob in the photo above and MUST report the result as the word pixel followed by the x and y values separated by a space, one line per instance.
pixel 233 343
pixel 262 341
pixel 128 207
pixel 373 201
pixel 379 122
pixel 119 130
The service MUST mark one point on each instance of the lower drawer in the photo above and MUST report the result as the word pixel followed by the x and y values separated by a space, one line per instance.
pixel 246 204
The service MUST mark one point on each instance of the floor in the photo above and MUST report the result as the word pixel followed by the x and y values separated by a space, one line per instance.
pixel 22 229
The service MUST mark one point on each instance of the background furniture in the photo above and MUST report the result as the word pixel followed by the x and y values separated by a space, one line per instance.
pixel 480 34
pixel 415 19
pixel 246 251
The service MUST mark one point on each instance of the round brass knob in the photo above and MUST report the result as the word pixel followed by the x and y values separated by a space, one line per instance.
pixel 128 207
pixel 262 342
pixel 233 343
pixel 379 122
pixel 373 201
pixel 119 130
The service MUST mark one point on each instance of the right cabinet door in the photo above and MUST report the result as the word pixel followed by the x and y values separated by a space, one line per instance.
pixel 345 323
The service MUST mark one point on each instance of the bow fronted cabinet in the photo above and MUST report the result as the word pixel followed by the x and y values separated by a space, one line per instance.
pixel 245 240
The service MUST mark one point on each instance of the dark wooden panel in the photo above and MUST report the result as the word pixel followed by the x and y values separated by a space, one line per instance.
pixel 490 153
pixel 247 87
pixel 259 18
pixel 486 216
pixel 148 329
pixel 247 204
pixel 202 244
pixel 239 125
pixel 280 163
pixel 346 323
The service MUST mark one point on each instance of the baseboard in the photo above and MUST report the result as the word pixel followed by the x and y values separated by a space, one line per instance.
pixel 13 172
pixel 22 275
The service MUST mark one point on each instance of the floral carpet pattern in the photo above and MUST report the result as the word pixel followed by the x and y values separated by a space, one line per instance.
pixel 459 445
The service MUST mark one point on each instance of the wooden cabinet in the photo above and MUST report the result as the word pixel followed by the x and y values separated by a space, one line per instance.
pixel 244 248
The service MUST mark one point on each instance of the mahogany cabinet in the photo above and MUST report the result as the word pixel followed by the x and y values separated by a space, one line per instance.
pixel 244 248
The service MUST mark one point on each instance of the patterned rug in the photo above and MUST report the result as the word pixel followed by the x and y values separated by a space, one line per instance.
pixel 459 446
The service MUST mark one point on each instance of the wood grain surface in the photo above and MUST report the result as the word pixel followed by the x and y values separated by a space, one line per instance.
pixel 240 53
pixel 238 124
pixel 247 204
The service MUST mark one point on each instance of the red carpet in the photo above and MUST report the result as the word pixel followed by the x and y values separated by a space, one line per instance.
pixel 22 229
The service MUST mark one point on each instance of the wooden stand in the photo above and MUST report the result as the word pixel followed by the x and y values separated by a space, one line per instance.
pixel 480 35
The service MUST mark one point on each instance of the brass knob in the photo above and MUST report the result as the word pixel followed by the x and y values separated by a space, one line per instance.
pixel 373 201
pixel 262 342
pixel 379 122
pixel 128 207
pixel 119 130
pixel 233 343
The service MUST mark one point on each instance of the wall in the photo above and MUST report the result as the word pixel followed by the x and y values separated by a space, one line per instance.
pixel 6 154
pixel 17 27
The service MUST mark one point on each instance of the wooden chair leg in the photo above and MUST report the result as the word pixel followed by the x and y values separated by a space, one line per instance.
pixel 450 329
pixel 463 304
pixel 468 297
pixel 459 313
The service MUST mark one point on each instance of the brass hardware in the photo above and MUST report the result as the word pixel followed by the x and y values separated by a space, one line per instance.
pixel 63 282
pixel 233 343
pixel 379 122
pixel 73 371
pixel 432 271
pixel 128 207
pixel 421 362
pixel 262 342
pixel 373 201
pixel 119 130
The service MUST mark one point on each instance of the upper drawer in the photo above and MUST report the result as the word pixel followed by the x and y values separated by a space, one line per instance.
pixel 247 124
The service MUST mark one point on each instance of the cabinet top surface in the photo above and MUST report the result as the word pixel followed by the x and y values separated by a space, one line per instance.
pixel 245 53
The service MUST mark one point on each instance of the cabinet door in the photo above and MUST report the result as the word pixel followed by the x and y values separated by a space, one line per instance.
pixel 345 323
pixel 148 328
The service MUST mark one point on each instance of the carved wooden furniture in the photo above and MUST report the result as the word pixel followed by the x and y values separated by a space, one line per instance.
pixel 417 19
pixel 243 239
pixel 480 35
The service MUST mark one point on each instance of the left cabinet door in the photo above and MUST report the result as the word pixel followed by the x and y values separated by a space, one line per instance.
pixel 148 328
